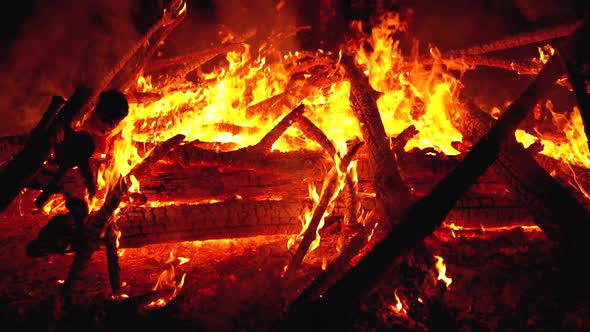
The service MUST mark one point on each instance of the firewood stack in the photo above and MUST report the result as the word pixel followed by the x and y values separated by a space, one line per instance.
pixel 197 190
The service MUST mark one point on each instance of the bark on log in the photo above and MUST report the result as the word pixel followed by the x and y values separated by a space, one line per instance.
pixel 392 194
pixel 230 219
pixel 143 225
pixel 190 61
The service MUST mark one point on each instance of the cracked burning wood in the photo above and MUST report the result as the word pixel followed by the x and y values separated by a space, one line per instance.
pixel 424 216
pixel 229 219
pixel 236 218
pixel 111 246
pixel 95 223
pixel 392 194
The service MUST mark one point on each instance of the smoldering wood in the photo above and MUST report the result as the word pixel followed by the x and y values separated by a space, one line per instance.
pixel 424 216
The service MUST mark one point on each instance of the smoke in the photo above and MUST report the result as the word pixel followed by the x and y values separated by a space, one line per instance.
pixel 63 44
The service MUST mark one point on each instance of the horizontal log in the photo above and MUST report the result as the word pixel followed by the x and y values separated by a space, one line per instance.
pixel 230 219
pixel 242 218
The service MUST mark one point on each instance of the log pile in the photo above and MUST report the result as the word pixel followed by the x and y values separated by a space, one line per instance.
pixel 206 190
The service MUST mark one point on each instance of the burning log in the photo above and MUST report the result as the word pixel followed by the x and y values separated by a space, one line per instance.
pixel 271 137
pixel 19 171
pixel 89 239
pixel 392 194
pixel 190 61
pixel 522 39
pixel 189 222
pixel 313 132
pixel 423 217
pixel 235 218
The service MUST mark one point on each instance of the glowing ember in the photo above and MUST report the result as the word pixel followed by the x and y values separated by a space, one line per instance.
pixel 441 267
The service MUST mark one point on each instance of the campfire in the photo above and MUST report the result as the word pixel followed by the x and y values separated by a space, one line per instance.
pixel 320 187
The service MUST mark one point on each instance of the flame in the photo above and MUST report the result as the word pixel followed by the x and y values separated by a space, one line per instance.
pixel 416 96
pixel 398 307
pixel 224 96
pixel 169 279
pixel 545 52
pixel 56 204
pixel 574 150
pixel 441 267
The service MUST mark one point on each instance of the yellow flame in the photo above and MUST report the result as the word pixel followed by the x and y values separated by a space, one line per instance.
pixel 441 267
pixel 169 279
pixel 398 307
pixel 573 150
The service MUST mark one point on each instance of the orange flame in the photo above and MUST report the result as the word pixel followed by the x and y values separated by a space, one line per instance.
pixel 441 267
pixel 169 279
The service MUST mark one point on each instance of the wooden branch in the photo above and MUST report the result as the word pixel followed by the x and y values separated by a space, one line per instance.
pixel 341 264
pixel 399 142
pixel 392 194
pixel 330 190
pixel 19 171
pixel 95 223
pixel 423 217
pixel 313 132
pixel 114 269
pixel 191 61
pixel 271 137
pixel 518 40
pixel 116 78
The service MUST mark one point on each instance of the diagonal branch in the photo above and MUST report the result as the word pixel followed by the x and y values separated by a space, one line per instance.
pixel 423 217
